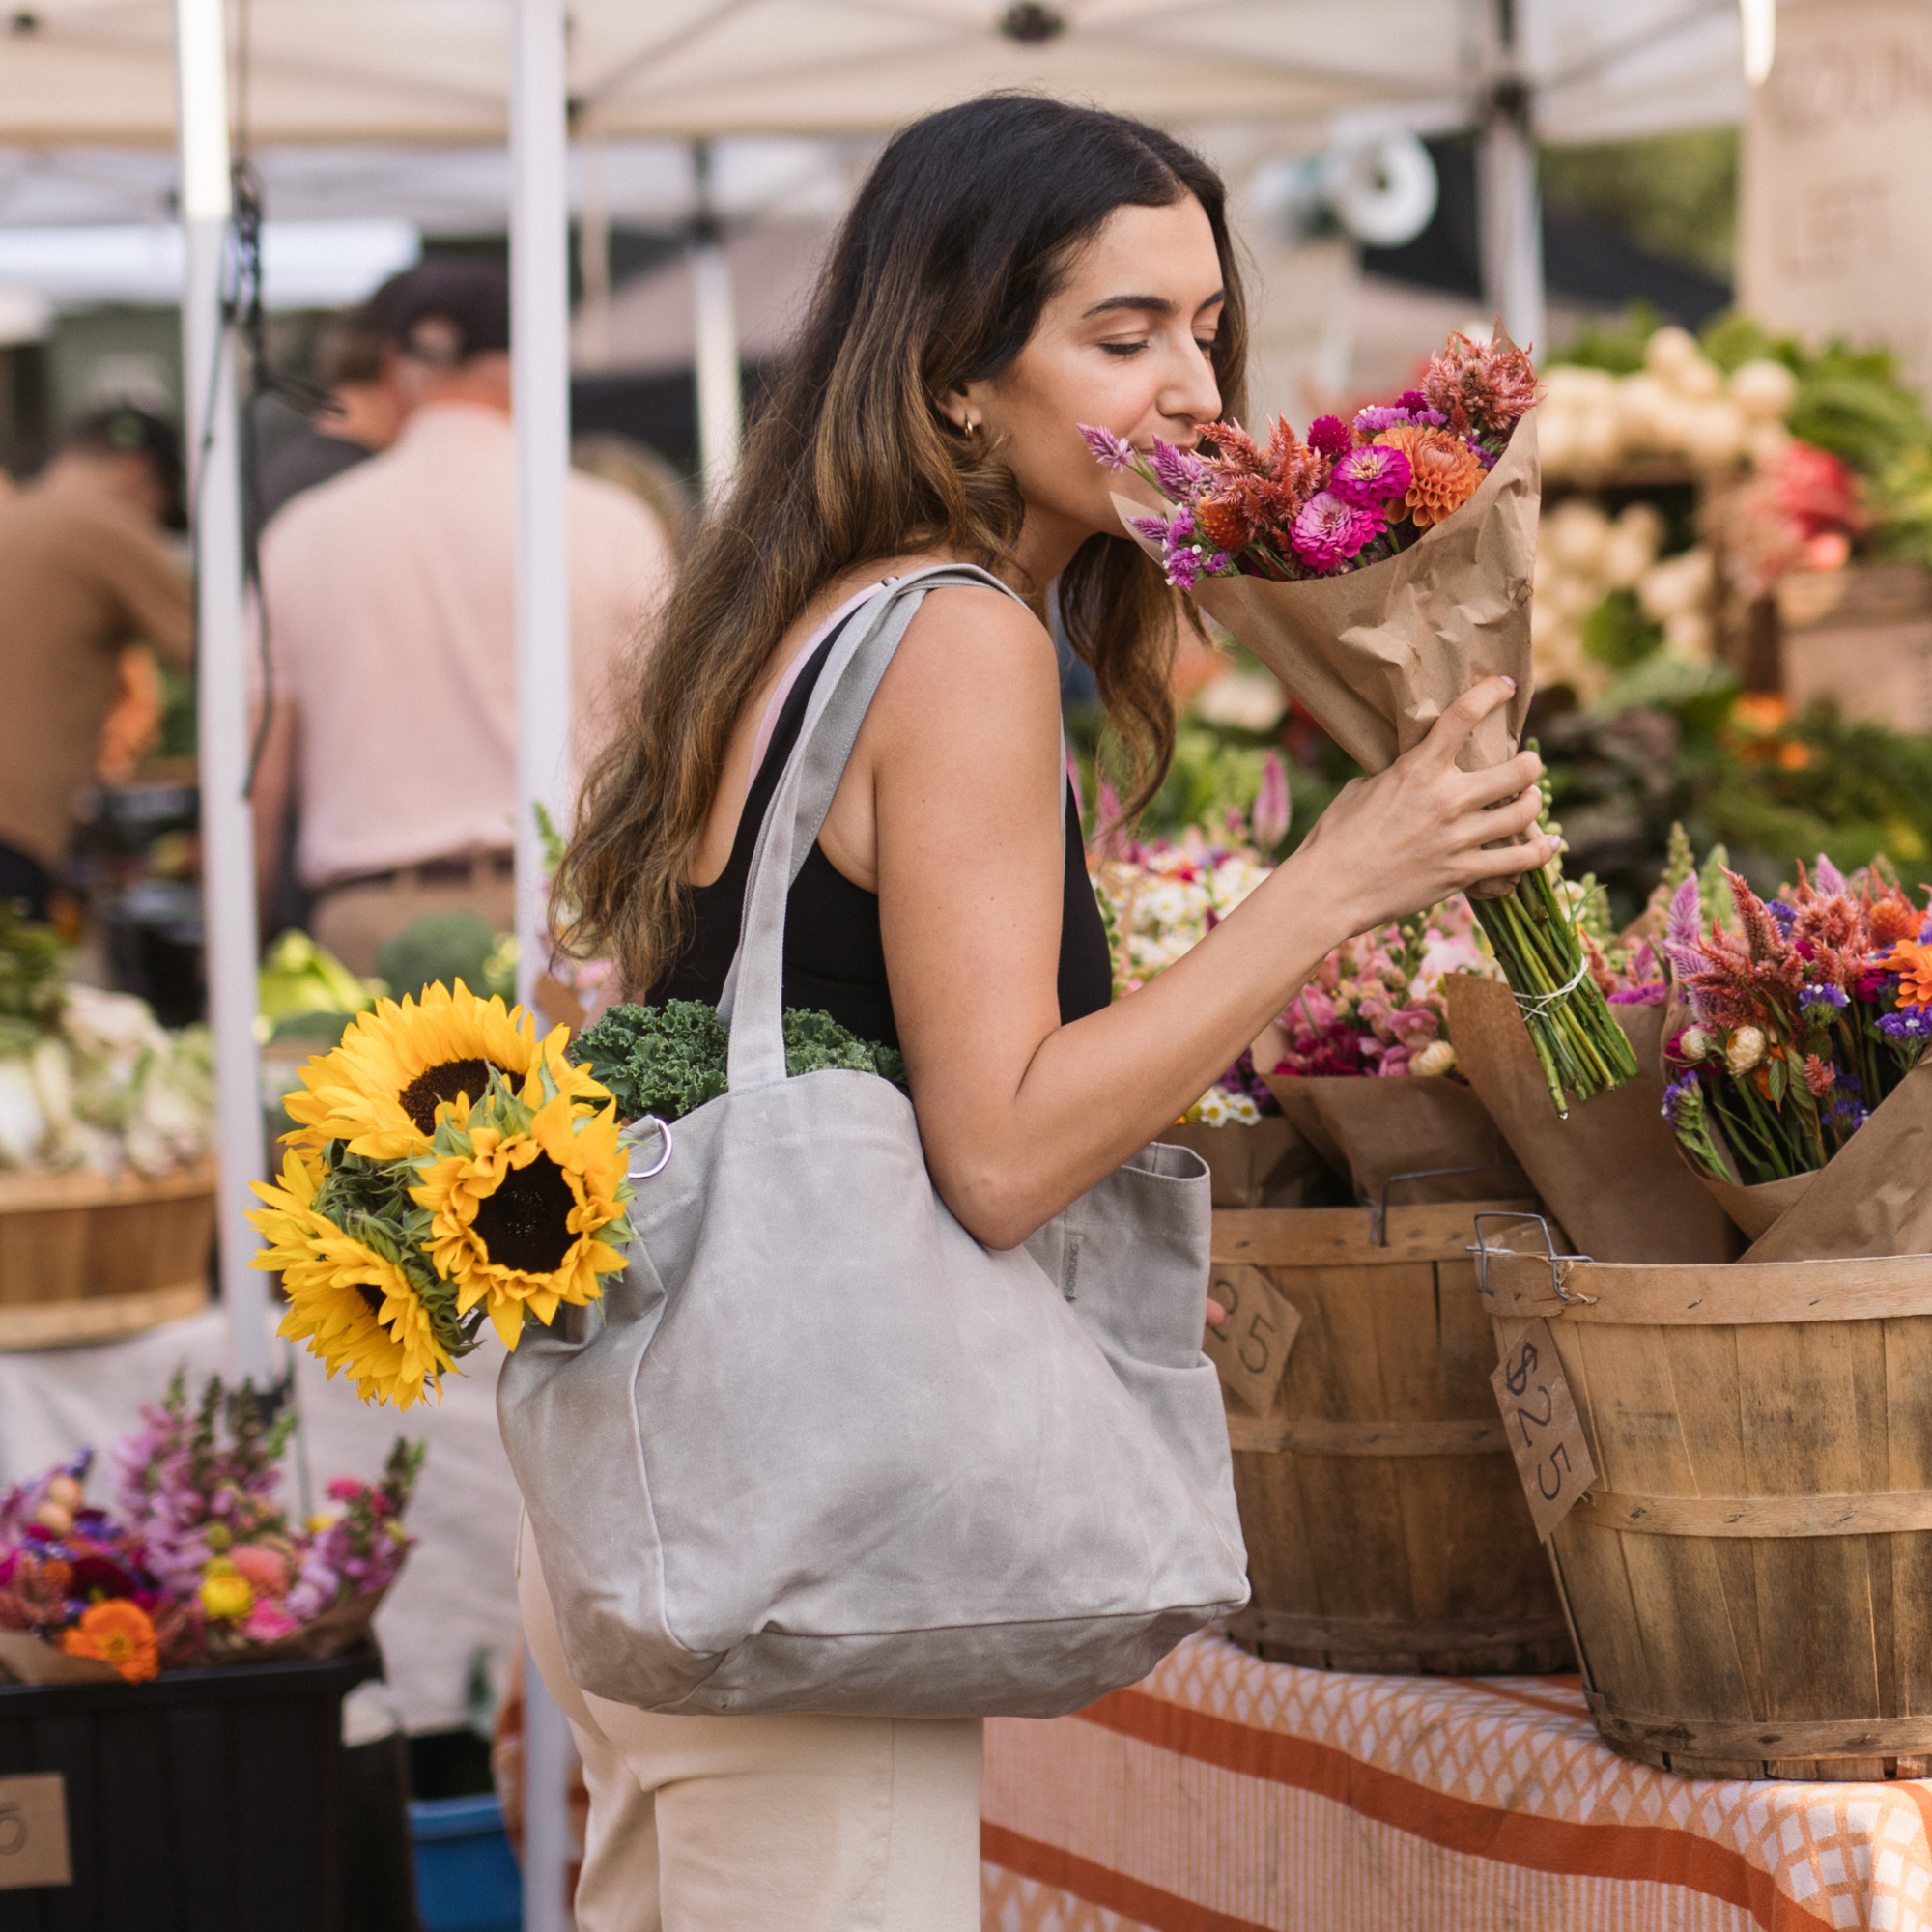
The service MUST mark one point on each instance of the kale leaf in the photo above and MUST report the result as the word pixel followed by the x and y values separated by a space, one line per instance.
pixel 671 1060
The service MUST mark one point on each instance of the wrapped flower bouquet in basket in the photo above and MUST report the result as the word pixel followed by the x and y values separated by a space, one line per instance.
pixel 1380 568
pixel 1743 1547
pixel 198 1562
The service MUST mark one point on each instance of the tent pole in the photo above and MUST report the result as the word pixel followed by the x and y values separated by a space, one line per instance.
pixel 540 376
pixel 715 323
pixel 227 835
pixel 1509 209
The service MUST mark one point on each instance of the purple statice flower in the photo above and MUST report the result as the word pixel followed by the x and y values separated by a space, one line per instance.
pixel 1327 533
pixel 1184 567
pixel 1915 1023
pixel 1182 473
pixel 1679 1095
pixel 1330 436
pixel 1849 1115
pixel 1819 996
pixel 1786 916
pixel 1367 478
pixel 1114 452
pixel 1481 451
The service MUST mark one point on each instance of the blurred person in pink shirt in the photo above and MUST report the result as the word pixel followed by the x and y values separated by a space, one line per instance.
pixel 387 597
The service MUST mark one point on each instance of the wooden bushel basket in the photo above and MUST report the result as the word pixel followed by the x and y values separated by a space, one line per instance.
pixel 1386 1524
pixel 89 1256
pixel 1749 1578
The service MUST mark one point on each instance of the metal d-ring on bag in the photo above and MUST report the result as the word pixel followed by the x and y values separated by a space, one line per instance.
pixel 818 1449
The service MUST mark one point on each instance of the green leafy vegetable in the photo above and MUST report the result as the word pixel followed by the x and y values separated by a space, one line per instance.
pixel 671 1060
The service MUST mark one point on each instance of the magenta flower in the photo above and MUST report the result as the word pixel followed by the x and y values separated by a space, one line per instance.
pixel 1154 528
pixel 1370 477
pixel 1332 435
pixel 1327 534
pixel 1115 452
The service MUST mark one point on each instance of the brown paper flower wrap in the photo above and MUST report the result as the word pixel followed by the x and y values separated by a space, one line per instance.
pixel 1370 1131
pixel 1378 655
pixel 1611 1174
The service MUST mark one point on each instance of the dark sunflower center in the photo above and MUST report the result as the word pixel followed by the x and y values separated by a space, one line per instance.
pixel 372 1297
pixel 524 1225
pixel 421 1098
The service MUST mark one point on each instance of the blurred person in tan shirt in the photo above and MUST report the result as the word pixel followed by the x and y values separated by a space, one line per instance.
pixel 85 574
pixel 388 594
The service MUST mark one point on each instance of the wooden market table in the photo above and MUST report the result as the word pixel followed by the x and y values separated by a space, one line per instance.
pixel 1227 1795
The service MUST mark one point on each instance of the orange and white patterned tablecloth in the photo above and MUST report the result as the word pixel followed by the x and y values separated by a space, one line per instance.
pixel 1227 1794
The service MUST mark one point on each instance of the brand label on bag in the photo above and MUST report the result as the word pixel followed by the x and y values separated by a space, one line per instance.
pixel 1251 1348
pixel 33 1832
pixel 1545 1434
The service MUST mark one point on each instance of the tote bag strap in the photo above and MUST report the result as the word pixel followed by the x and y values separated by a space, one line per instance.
pixel 751 1005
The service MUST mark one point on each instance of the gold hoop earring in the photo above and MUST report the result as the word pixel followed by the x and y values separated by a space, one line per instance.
pixel 970 427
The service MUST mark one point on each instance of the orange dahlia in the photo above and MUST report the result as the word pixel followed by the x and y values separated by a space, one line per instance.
pixel 117 1633
pixel 1444 471
pixel 1912 962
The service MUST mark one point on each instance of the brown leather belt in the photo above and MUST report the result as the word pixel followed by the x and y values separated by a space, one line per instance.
pixel 465 871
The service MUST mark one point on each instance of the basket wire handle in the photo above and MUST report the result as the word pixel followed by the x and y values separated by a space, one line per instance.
pixel 1378 1216
pixel 1482 1251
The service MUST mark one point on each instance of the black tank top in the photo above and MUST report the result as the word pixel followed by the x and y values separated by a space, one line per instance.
pixel 835 961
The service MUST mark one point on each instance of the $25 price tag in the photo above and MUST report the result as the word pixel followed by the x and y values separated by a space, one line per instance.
pixel 1545 1436
pixel 1251 1349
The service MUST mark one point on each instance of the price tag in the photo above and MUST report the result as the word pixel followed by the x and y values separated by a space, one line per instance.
pixel 33 1832
pixel 1251 1348
pixel 1545 1436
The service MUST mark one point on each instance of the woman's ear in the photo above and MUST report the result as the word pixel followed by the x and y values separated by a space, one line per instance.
pixel 954 407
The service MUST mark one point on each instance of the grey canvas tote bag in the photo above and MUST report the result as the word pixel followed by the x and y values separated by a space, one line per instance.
pixel 819 1450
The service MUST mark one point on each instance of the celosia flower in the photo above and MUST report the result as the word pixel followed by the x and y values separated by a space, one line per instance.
pixel 1332 436
pixel 1328 533
pixel 1820 1075
pixel 1115 452
pixel 1371 477
pixel 1182 473
pixel 1479 386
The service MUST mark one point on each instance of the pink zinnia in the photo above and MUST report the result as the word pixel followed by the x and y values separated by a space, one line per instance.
pixel 1371 477
pixel 1327 534
pixel 267 1621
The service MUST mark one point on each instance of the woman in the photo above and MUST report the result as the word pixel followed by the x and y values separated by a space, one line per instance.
pixel 1013 269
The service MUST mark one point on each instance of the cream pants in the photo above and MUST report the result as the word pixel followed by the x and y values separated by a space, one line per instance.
pixel 777 1824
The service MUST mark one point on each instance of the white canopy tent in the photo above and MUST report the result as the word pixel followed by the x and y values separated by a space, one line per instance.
pixel 411 73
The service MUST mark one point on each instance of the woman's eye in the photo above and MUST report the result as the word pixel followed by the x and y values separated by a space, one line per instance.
pixel 1207 346
pixel 1124 348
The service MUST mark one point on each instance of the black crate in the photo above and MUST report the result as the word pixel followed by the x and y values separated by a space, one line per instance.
pixel 206 1801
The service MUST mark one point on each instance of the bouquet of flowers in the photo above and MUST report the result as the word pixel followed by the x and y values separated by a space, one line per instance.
pixel 447 1166
pixel 1803 1020
pixel 1378 568
pixel 198 1563
pixel 1375 1005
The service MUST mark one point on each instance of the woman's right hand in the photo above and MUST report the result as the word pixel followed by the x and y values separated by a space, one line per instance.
pixel 1408 837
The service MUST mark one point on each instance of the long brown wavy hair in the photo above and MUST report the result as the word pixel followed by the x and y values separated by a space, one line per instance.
pixel 963 230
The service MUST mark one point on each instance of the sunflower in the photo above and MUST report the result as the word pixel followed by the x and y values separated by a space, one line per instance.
pixel 379 1089
pixel 356 1307
pixel 517 1196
